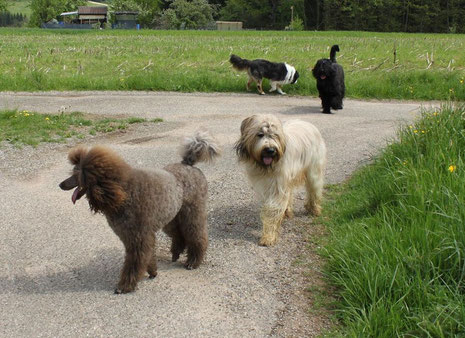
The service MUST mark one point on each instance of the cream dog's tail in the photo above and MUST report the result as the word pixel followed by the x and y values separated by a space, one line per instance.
pixel 202 147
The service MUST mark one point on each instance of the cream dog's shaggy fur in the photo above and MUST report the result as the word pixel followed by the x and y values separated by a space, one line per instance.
pixel 279 157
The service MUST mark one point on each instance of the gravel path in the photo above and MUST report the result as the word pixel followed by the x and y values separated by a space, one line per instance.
pixel 59 263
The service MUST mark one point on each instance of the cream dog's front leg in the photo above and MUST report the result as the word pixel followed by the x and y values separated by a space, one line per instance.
pixel 272 215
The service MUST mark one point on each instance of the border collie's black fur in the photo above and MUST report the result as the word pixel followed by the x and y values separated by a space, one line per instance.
pixel 329 77
pixel 278 73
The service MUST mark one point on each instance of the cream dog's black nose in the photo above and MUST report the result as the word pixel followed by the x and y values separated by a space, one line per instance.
pixel 270 151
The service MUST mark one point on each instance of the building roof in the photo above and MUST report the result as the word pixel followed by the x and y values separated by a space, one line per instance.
pixel 68 13
pixel 126 13
pixel 86 10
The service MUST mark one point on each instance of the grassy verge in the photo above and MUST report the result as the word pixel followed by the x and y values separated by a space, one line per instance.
pixel 24 127
pixel 426 66
pixel 397 243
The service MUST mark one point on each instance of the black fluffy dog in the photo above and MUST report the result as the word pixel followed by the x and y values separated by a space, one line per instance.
pixel 329 77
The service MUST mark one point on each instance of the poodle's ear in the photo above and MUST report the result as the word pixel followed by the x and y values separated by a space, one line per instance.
pixel 104 173
pixel 107 196
pixel 75 155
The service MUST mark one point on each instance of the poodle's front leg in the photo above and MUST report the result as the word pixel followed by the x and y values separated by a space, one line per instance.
pixel 135 265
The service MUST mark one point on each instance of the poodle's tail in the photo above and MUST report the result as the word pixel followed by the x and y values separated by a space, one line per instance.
pixel 332 54
pixel 199 148
pixel 239 63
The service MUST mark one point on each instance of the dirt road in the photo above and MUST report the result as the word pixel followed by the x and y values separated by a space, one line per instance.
pixel 59 263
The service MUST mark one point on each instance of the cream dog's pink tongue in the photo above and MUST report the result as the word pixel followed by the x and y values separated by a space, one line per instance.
pixel 75 195
pixel 267 160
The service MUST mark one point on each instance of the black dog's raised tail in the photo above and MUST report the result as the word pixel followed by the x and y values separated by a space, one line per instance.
pixel 199 148
pixel 332 54
pixel 239 63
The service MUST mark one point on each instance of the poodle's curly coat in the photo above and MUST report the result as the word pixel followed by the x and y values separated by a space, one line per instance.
pixel 138 203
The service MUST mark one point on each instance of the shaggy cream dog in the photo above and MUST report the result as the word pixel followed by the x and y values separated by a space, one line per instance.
pixel 278 158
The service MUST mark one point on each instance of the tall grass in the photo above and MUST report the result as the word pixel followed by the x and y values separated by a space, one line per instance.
pixel 397 243
pixel 426 66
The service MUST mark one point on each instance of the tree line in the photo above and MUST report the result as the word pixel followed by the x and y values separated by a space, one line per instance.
pixel 8 19
pixel 430 16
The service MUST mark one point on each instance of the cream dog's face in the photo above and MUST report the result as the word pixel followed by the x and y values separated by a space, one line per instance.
pixel 262 140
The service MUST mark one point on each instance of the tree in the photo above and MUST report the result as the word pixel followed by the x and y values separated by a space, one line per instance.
pixel 192 14
pixel 46 10
pixel 253 13
pixel 148 9
pixel 271 14
pixel 3 5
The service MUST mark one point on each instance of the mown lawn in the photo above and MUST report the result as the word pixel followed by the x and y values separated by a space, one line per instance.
pixel 426 66
pixel 396 251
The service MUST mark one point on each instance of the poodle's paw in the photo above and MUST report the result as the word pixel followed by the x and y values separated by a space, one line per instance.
pixel 191 264
pixel 119 291
pixel 152 275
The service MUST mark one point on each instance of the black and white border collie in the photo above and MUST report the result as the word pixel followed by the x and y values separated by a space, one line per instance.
pixel 279 74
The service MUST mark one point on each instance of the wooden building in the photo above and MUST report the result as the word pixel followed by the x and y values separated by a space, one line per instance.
pixel 229 25
pixel 91 15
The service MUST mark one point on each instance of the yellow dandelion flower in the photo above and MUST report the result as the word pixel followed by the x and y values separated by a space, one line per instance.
pixel 410 127
pixel 47 118
pixel 452 168
pixel 461 81
pixel 415 131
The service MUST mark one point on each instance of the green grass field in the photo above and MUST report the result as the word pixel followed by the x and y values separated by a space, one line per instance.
pixel 397 241
pixel 427 66
pixel 30 128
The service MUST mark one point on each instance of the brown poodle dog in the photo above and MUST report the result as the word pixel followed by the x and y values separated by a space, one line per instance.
pixel 138 203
